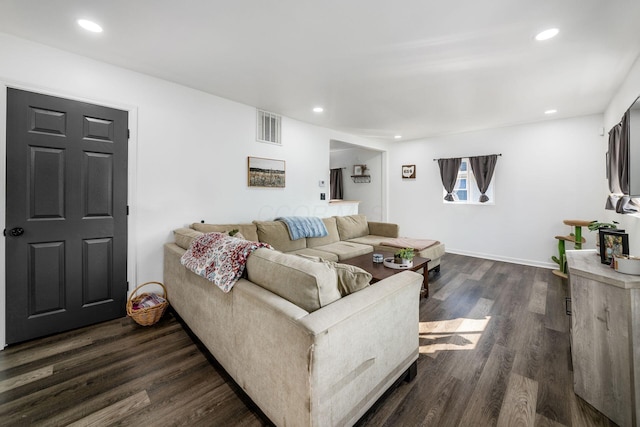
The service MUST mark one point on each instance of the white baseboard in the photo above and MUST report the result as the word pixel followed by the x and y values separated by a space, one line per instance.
pixel 549 265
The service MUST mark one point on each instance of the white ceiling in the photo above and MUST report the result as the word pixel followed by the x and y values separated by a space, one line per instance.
pixel 379 68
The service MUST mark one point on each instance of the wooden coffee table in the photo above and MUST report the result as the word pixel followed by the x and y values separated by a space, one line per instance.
pixel 380 272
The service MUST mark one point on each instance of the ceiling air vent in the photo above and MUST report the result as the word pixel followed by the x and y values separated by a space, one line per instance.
pixel 268 127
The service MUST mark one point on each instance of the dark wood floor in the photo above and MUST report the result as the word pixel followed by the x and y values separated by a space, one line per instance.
pixel 494 351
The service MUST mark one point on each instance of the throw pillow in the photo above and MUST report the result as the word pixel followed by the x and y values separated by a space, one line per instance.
pixel 352 226
pixel 184 237
pixel 350 278
pixel 276 234
pixel 248 230
pixel 235 233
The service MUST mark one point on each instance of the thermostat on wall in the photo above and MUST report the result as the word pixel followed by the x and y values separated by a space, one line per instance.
pixel 321 183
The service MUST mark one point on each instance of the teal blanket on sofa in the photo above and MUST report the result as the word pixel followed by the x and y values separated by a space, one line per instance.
pixel 304 226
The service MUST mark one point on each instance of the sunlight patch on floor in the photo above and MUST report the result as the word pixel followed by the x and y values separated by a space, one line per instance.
pixel 453 334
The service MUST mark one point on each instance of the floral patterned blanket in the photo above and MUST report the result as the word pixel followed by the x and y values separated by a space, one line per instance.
pixel 219 258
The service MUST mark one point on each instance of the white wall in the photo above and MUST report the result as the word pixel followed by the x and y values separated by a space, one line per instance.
pixel 369 194
pixel 549 171
pixel 627 94
pixel 189 150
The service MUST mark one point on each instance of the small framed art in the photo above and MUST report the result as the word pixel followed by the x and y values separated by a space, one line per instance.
pixel 408 171
pixel 266 172
pixel 613 242
pixel 359 169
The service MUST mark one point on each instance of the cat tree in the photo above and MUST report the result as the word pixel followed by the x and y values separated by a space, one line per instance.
pixel 575 238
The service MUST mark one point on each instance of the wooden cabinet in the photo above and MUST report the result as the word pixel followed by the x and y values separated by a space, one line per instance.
pixel 605 332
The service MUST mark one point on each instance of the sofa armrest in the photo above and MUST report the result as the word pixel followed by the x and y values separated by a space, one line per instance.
pixel 385 229
pixel 331 365
pixel 363 343
pixel 320 321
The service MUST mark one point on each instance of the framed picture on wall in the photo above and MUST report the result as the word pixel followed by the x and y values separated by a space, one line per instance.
pixel 408 171
pixel 359 169
pixel 613 242
pixel 266 172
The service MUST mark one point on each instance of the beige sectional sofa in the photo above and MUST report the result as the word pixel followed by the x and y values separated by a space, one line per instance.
pixel 304 351
pixel 349 236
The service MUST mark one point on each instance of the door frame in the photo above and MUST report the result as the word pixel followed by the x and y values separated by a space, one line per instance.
pixel 131 173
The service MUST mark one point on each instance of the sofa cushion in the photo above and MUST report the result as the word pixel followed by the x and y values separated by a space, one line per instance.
pixel 307 284
pixel 350 278
pixel 345 250
pixel 332 237
pixel 248 230
pixel 184 236
pixel 352 226
pixel 315 253
pixel 371 239
pixel 276 234
pixel 383 229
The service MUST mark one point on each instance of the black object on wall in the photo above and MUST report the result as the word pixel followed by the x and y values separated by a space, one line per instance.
pixel 623 162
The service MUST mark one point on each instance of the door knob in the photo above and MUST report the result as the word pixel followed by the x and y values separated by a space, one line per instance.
pixel 15 232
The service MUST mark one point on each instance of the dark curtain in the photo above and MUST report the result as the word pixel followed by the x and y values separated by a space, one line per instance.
pixel 483 167
pixel 618 168
pixel 623 154
pixel 335 182
pixel 612 167
pixel 449 175
pixel 624 203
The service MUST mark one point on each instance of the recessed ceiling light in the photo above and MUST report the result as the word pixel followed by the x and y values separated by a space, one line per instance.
pixel 552 111
pixel 318 110
pixel 547 34
pixel 397 137
pixel 90 25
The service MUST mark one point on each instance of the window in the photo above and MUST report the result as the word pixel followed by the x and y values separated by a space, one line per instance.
pixel 268 127
pixel 466 189
pixel 461 190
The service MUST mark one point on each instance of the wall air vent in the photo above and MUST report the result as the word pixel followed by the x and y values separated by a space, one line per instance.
pixel 268 127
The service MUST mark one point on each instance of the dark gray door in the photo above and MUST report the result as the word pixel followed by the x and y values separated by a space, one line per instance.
pixel 66 205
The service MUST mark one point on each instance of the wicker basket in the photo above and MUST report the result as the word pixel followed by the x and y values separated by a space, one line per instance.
pixel 149 315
